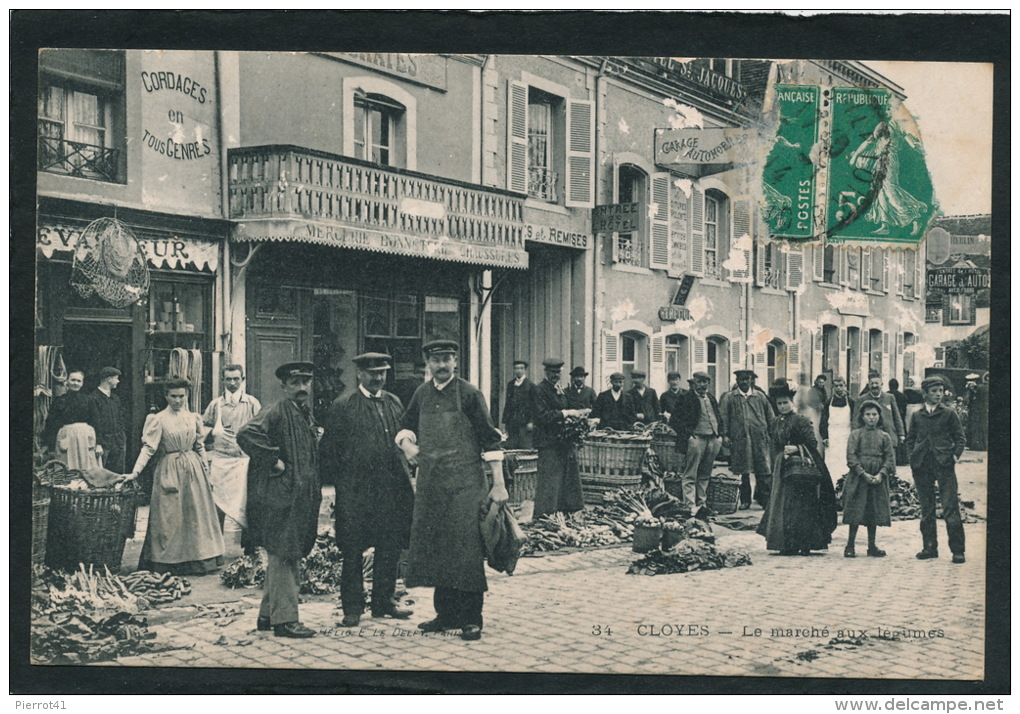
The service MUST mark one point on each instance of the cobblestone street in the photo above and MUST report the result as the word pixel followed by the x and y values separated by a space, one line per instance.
pixel 580 612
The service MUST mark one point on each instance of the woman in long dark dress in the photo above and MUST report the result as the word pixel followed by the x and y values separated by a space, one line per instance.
pixel 801 516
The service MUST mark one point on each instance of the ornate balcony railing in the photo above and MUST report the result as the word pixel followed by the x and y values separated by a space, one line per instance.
pixel 77 159
pixel 293 182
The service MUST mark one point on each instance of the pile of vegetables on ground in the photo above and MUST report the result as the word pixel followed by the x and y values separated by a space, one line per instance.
pixel 905 506
pixel 610 523
pixel 93 616
pixel 687 545
pixel 320 569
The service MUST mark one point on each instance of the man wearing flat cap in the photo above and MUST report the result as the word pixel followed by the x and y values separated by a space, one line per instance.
pixel 670 398
pixel 284 494
pixel 447 430
pixel 746 417
pixel 615 408
pixel 579 394
pixel 646 401
pixel 559 482
pixel 519 409
pixel 935 442
pixel 106 416
pixel 374 496
pixel 697 423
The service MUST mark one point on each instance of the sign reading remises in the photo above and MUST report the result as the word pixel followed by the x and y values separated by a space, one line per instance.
pixel 616 218
pixel 538 233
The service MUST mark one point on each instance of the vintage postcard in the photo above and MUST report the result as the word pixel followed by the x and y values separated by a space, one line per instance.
pixel 715 326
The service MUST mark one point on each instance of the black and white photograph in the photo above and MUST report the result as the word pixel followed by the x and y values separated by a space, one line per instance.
pixel 417 365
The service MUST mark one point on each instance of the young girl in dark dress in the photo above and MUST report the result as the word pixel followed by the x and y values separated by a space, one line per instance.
pixel 871 457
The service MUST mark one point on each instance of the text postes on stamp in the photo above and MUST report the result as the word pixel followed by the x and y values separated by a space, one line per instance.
pixel 789 181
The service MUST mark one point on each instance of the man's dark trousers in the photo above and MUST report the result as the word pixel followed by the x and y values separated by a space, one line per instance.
pixel 384 580
pixel 925 479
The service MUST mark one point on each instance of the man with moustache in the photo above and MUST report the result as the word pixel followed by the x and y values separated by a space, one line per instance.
pixel 615 408
pixel 374 496
pixel 447 430
pixel 671 397
pixel 519 409
pixel 579 394
pixel 559 483
pixel 746 417
pixel 645 399
pixel 284 494
pixel 697 425
pixel 891 421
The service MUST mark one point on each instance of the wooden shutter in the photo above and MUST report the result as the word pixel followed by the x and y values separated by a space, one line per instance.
pixel 699 355
pixel 735 356
pixel 580 153
pixel 517 137
pixel 615 237
pixel 659 228
pixel 610 354
pixel 898 365
pixel 818 250
pixel 842 256
pixel 793 356
pixel 697 232
pixel 761 367
pixel 885 269
pixel 902 264
pixel 865 269
pixel 760 247
pixel 741 226
pixel 919 277
pixel 794 266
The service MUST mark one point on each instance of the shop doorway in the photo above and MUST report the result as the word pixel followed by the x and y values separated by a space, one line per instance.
pixel 89 347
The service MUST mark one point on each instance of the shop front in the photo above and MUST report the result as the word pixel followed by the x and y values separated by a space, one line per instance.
pixel 151 327
pixel 352 257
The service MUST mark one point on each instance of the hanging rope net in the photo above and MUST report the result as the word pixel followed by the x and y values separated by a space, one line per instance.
pixel 109 262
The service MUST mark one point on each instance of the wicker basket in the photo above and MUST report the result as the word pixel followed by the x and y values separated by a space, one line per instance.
pixel 90 527
pixel 608 462
pixel 670 459
pixel 723 495
pixel 40 523
pixel 522 473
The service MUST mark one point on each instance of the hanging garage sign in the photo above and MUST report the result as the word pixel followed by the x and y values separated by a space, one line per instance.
pixel 682 148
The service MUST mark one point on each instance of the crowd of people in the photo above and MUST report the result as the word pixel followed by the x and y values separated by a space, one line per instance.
pixel 412 478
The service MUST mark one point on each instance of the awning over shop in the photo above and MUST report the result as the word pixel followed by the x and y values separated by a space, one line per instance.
pixel 169 251
pixel 288 230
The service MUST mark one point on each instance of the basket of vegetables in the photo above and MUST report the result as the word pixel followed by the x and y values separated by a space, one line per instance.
pixel 608 460
pixel 664 446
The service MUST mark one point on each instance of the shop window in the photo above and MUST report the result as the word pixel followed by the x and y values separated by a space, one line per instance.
pixel 442 318
pixel 775 360
pixel 960 310
pixel 378 122
pixel 80 113
pixel 178 340
pixel 677 354
pixel 717 364
pixel 550 144
pixel 632 248
pixel 716 233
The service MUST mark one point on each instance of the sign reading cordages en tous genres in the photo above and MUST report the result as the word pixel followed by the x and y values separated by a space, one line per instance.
pixel 181 138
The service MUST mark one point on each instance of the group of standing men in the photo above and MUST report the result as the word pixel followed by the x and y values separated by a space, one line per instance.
pixel 367 448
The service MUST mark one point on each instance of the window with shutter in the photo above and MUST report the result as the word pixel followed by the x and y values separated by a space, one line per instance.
pixel 742 233
pixel 630 185
pixel 658 352
pixel 794 266
pixel 697 232
pixel 885 269
pixel 736 359
pixel 878 269
pixel 610 354
pixel 517 137
pixel 818 253
pixel 793 355
pixel 699 355
pixel 660 258
pixel 581 153
pixel 865 269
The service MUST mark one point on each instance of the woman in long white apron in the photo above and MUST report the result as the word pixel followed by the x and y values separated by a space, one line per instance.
pixel 835 427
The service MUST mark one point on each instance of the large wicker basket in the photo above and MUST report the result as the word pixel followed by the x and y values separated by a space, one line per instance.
pixel 40 523
pixel 520 473
pixel 670 459
pixel 608 462
pixel 89 526
pixel 723 495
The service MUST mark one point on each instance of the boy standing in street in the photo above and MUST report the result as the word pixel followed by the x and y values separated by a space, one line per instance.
pixel 935 442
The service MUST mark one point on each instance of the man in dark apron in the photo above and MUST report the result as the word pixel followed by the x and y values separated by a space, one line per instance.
pixel 447 430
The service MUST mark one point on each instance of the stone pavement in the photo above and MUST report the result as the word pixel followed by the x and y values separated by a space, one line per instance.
pixel 817 616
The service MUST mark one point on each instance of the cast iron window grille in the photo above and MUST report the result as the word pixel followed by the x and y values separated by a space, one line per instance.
pixel 77 159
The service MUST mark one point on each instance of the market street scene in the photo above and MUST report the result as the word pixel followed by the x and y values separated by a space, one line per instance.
pixel 510 363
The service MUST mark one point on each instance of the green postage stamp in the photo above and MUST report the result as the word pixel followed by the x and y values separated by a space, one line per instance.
pixel 846 165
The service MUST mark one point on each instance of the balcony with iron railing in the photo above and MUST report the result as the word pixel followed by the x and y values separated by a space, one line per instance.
pixel 542 183
pixel 293 182
pixel 77 159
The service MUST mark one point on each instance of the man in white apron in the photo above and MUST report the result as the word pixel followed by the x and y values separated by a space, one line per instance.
pixel 835 428
pixel 228 465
